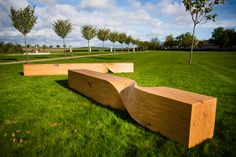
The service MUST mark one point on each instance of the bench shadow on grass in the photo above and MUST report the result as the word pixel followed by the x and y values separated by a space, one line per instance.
pixel 124 115
pixel 121 114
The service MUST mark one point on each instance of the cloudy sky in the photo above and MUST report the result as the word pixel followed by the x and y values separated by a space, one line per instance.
pixel 143 19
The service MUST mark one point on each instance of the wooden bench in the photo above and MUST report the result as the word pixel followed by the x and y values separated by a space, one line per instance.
pixel 104 89
pixel 185 117
pixel 62 69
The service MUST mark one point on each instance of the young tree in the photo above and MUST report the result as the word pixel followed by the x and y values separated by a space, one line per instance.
pixel 200 11
pixel 121 39
pixel 88 32
pixel 23 20
pixel 128 40
pixel 62 28
pixel 113 38
pixel 103 34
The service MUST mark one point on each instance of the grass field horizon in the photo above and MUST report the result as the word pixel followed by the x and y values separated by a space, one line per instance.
pixel 41 116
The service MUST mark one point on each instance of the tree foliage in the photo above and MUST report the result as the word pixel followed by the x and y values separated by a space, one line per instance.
pixel 128 40
pixel 155 43
pixel 24 19
pixel 185 40
pixel 223 37
pixel 10 48
pixel 200 11
pixel 169 41
pixel 62 27
pixel 113 37
pixel 121 38
pixel 88 32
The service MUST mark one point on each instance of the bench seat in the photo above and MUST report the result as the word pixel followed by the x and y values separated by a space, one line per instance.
pixel 185 117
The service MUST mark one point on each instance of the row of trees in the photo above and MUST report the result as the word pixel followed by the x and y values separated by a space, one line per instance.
pixel 63 27
pixel 24 19
pixel 10 48
pixel 223 37
pixel 220 37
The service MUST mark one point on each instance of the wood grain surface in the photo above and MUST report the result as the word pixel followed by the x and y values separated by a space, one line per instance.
pixel 62 69
pixel 185 117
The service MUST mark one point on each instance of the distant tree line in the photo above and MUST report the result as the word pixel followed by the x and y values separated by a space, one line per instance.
pixel 10 48
pixel 220 37
pixel 223 37
pixel 183 41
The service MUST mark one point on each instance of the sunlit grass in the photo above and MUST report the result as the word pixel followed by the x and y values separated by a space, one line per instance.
pixel 41 116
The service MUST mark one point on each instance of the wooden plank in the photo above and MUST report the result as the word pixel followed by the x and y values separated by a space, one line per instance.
pixel 104 89
pixel 120 67
pixel 182 116
pixel 62 69
pixel 185 117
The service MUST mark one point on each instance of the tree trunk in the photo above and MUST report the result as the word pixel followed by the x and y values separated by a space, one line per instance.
pixel 103 46
pixel 122 47
pixel 64 45
pixel 192 46
pixel 88 47
pixel 128 47
pixel 26 50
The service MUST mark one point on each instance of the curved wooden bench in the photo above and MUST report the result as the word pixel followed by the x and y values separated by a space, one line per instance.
pixel 104 89
pixel 182 116
pixel 185 117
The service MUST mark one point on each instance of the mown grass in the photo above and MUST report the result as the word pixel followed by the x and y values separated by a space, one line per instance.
pixel 41 116
pixel 21 57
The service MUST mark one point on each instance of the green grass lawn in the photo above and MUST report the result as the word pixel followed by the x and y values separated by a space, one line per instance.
pixel 41 116
pixel 21 57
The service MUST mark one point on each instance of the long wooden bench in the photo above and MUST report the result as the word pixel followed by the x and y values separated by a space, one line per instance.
pixel 185 117
pixel 62 69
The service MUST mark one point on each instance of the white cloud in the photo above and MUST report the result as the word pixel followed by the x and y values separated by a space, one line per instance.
pixel 5 6
pixel 170 8
pixel 143 20
pixel 96 4
pixel 15 4
pixel 48 2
